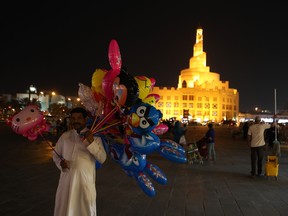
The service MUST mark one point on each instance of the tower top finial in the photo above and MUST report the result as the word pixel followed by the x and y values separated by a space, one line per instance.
pixel 199 26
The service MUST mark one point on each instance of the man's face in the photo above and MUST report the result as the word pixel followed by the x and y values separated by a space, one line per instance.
pixel 78 121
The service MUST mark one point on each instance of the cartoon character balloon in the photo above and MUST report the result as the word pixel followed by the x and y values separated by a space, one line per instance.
pixel 30 122
pixel 135 165
pixel 145 85
pixel 143 118
pixel 151 99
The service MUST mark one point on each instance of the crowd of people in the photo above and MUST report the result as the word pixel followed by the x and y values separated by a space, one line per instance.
pixel 262 138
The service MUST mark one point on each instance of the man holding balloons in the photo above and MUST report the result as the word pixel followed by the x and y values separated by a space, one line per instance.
pixel 78 150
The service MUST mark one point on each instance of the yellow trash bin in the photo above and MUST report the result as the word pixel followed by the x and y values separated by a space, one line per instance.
pixel 272 166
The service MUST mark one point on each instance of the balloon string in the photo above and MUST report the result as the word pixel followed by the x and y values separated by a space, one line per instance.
pixel 98 113
pixel 112 112
pixel 106 127
pixel 106 117
pixel 52 147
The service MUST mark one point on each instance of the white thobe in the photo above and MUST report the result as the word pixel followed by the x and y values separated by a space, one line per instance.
pixel 76 192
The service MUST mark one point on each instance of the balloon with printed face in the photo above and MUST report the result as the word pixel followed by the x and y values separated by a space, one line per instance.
pixel 143 118
pixel 145 85
pixel 151 99
pixel 120 92
pixel 30 122
pixel 26 119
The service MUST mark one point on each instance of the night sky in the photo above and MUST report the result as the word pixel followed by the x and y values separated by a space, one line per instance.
pixel 55 47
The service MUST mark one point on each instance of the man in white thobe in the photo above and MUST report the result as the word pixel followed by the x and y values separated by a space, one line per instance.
pixel 75 155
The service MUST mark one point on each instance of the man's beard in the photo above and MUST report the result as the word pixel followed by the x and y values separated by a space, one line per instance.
pixel 78 127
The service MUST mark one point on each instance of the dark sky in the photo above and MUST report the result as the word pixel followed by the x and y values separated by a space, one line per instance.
pixel 55 47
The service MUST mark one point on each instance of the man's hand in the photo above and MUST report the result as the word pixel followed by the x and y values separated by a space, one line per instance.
pixel 64 164
pixel 88 136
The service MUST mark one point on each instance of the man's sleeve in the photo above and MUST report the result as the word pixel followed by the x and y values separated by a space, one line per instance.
pixel 97 149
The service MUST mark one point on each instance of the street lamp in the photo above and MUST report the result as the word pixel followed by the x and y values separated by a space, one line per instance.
pixel 31 89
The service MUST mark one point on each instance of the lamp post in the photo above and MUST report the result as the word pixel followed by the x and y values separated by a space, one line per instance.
pixel 30 90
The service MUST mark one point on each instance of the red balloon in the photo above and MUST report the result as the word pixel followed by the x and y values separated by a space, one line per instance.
pixel 107 83
pixel 114 55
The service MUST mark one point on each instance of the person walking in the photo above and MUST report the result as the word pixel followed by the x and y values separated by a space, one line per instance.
pixel 210 142
pixel 256 142
pixel 76 153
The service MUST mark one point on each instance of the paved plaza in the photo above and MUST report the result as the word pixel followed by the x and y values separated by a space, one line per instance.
pixel 29 180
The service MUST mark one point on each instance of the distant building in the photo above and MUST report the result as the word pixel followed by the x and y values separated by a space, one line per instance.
pixel 201 95
pixel 45 99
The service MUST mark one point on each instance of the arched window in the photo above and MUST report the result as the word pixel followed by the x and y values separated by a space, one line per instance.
pixel 184 84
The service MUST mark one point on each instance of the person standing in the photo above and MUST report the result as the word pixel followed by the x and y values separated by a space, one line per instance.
pixel 178 132
pixel 210 138
pixel 245 129
pixel 76 153
pixel 256 142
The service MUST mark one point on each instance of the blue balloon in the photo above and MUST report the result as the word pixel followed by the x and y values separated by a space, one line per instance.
pixel 136 163
pixel 145 184
pixel 155 173
pixel 143 118
pixel 172 154
pixel 144 144
pixel 173 145
pixel 98 165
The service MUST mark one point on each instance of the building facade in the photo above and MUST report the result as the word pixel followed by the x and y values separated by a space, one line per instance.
pixel 200 96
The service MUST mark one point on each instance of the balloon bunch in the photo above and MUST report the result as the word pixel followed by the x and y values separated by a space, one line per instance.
pixel 126 118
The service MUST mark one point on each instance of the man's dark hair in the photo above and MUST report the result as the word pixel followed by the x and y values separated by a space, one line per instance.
pixel 79 110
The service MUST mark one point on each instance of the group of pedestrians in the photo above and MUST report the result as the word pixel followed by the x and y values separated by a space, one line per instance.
pixel 253 133
pixel 209 138
pixel 262 139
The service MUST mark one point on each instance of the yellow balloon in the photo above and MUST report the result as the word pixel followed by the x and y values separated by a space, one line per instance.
pixel 151 99
pixel 97 79
pixel 144 85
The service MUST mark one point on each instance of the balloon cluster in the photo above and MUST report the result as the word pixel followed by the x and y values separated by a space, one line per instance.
pixel 126 118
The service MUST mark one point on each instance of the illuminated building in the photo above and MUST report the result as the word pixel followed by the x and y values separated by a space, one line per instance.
pixel 200 96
